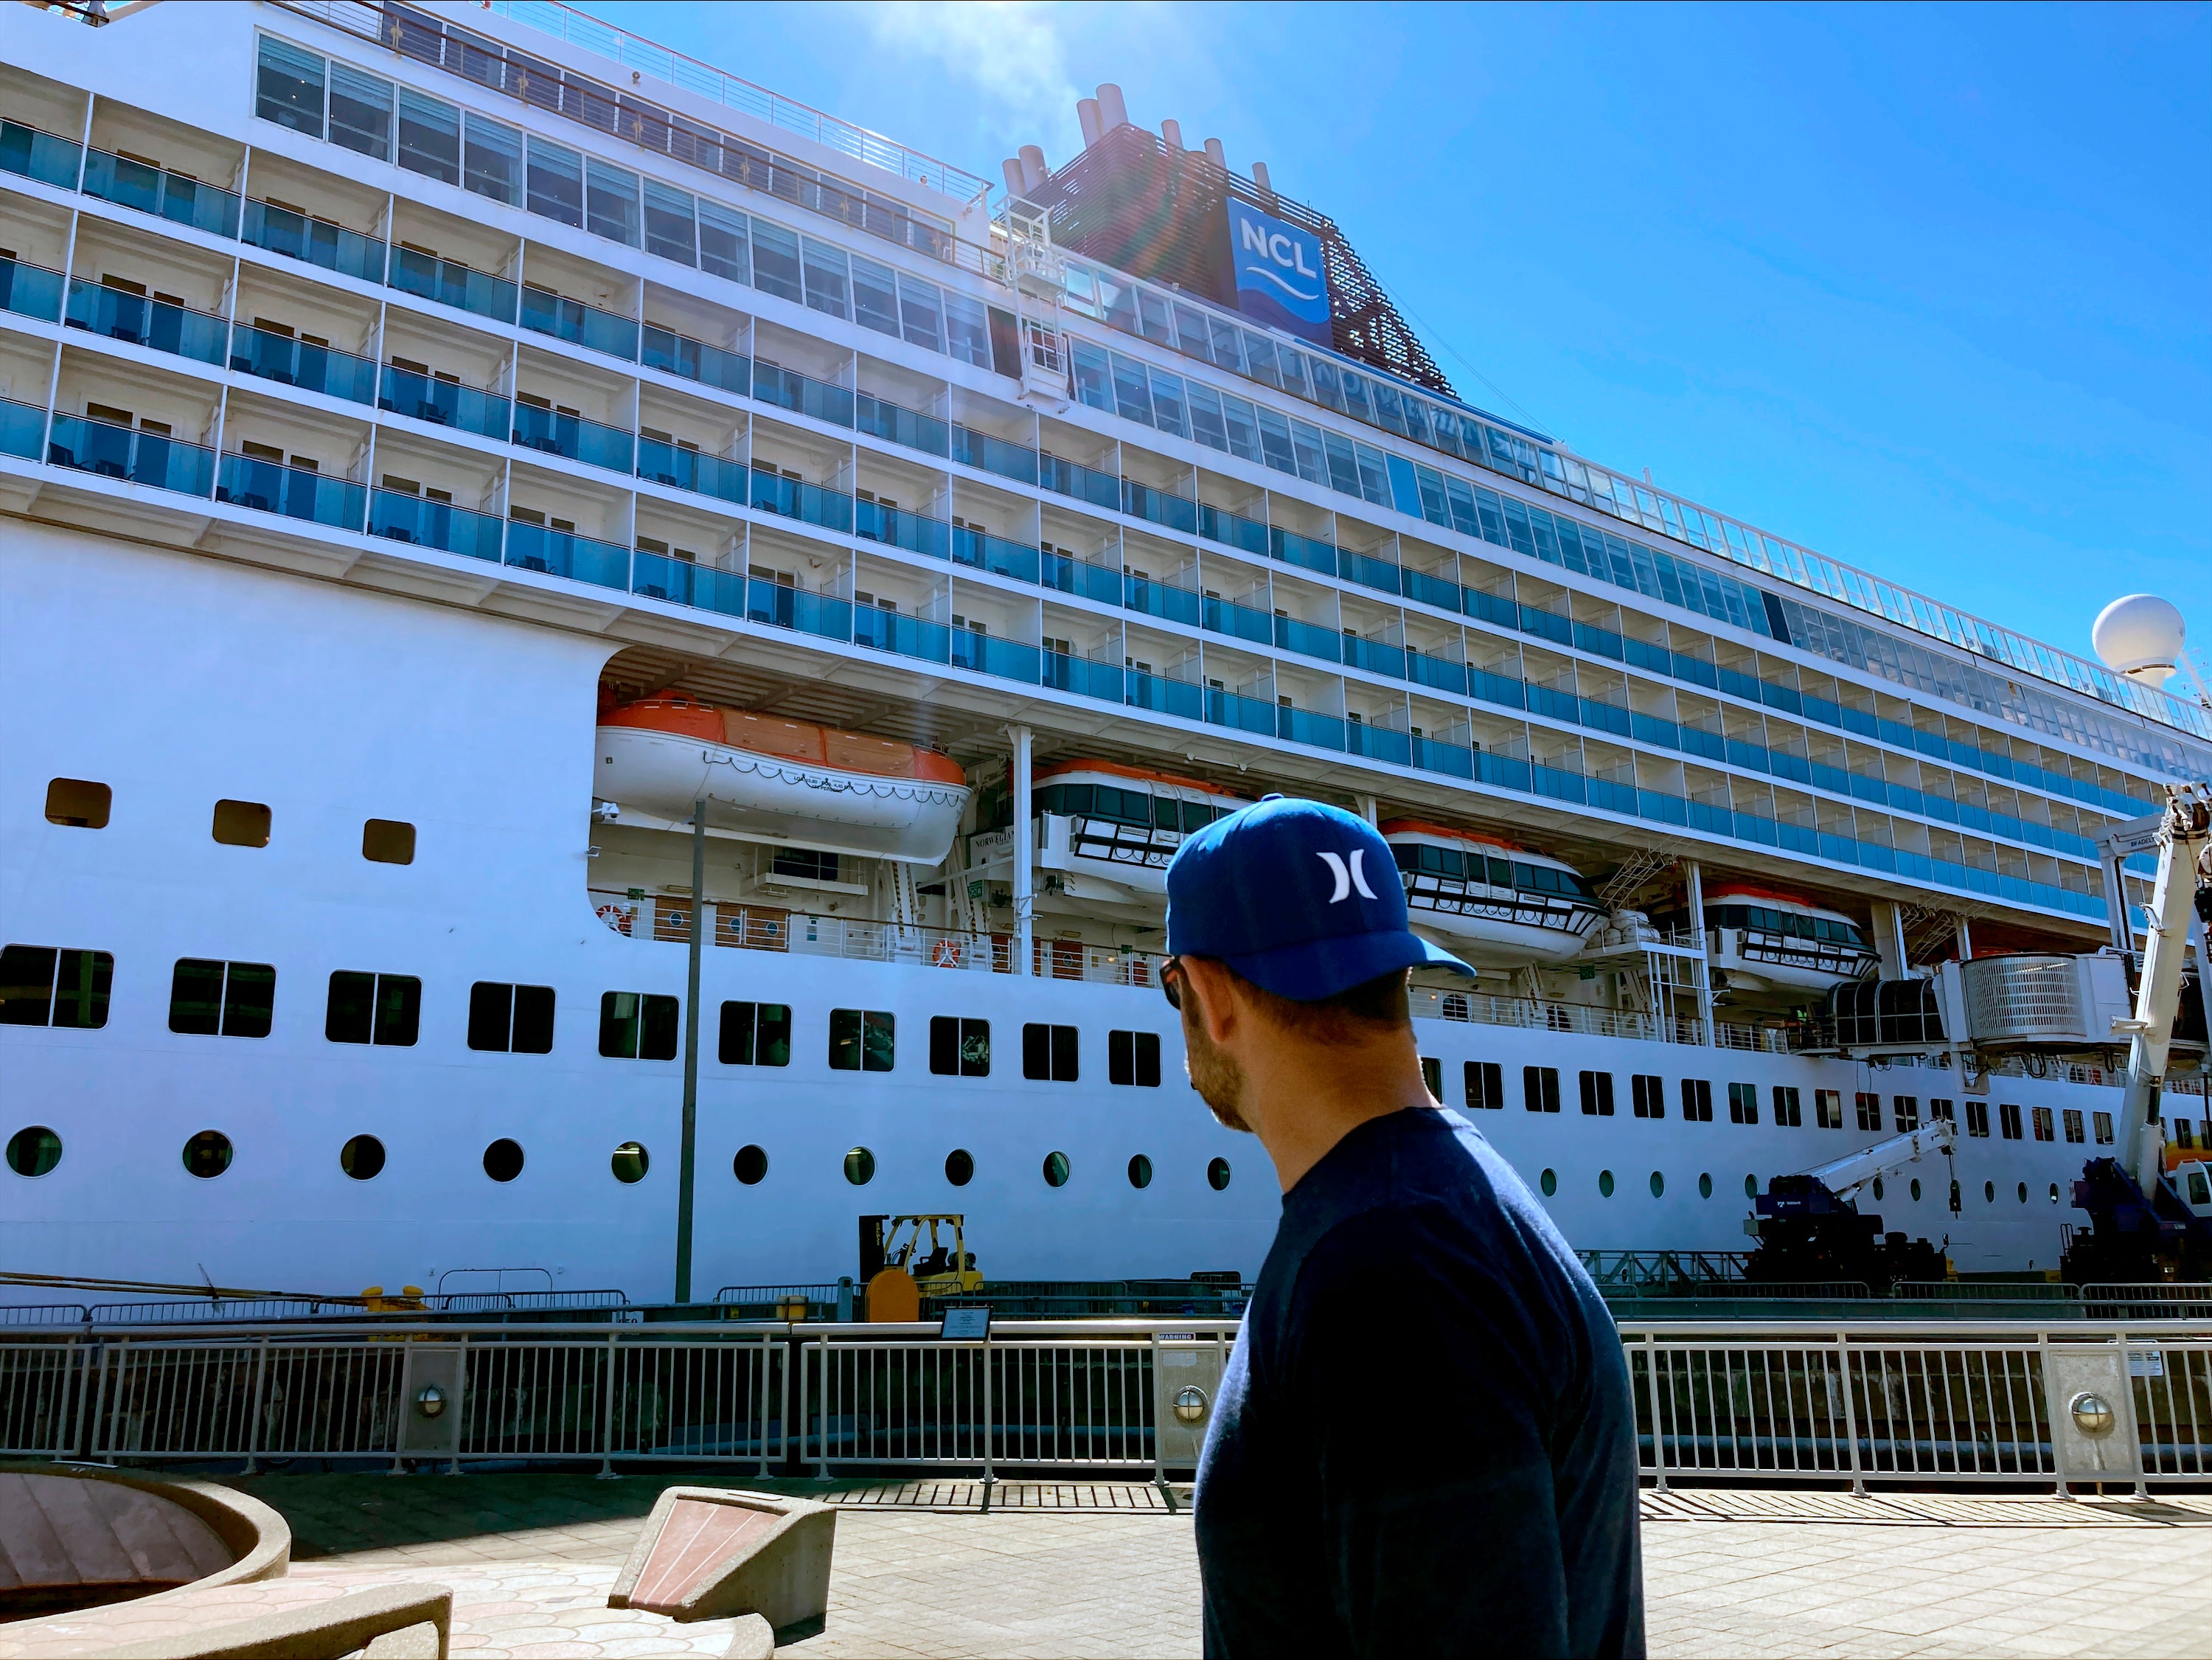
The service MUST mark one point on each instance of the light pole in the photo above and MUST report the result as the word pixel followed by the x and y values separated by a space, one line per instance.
pixel 687 1158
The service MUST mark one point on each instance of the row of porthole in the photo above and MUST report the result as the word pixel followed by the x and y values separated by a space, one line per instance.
pixel 1549 1182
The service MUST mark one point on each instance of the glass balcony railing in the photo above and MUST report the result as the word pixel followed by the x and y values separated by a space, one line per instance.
pixel 29 152
pixel 1159 506
pixel 909 636
pixel 916 532
pixel 786 607
pixel 1440 673
pixel 547 313
pixel 166 194
pixel 1429 590
pixel 1219 524
pixel 986 653
pixel 1080 676
pixel 22 429
pixel 312 242
pixel 1304 551
pixel 153 323
pixel 1304 727
pixel 980 550
pixel 449 282
pixel 690 470
pixel 1375 656
pixel 1229 709
pixel 656 576
pixel 245 481
pixel 971 448
pixel 694 360
pixel 563 553
pixel 1100 489
pixel 1367 570
pixel 1434 755
pixel 894 424
pixel 1378 744
pixel 1077 576
pixel 142 458
pixel 446 403
pixel 574 437
pixel 1164 600
pixel 30 290
pixel 787 389
pixel 1238 622
pixel 1164 695
pixel 1309 639
pixel 293 362
pixel 795 499
pixel 439 525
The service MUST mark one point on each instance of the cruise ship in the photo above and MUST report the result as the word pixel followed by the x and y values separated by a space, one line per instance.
pixel 654 646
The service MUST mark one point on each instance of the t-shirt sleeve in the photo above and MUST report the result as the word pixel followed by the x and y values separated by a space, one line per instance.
pixel 1426 1375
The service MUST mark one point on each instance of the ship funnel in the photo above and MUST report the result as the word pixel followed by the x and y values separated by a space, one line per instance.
pixel 1216 155
pixel 1260 177
pixel 1171 133
pixel 2139 636
pixel 1010 170
pixel 1086 115
pixel 1112 112
pixel 1034 170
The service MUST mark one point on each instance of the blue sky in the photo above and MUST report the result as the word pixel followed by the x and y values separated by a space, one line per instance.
pixel 1926 289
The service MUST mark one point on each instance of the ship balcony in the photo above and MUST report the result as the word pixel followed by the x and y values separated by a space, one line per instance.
pixel 29 290
pixel 32 152
pixel 135 421
pixel 432 495
pixel 141 183
pixel 695 426
pixel 561 529
pixel 157 322
pixel 300 463
pixel 141 454
pixel 581 302
pixel 559 430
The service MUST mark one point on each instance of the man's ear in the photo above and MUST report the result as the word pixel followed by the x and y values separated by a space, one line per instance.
pixel 1214 989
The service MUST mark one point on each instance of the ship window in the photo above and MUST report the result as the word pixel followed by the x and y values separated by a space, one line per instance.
pixel 1048 1053
pixel 79 803
pixel 1649 1092
pixel 775 260
pixel 1977 1118
pixel 1697 1101
pixel 209 998
pixel 2184 1137
pixel 805 863
pixel 754 1035
pixel 511 1018
pixel 1938 1108
pixel 751 1165
pixel 861 1040
pixel 502 1160
pixel 1432 1074
pixel 1828 1108
pixel 2009 1121
pixel 1485 1083
pixel 492 162
pixel 1604 1184
pixel 824 269
pixel 611 201
pixel 1789 1107
pixel 374 1008
pixel 1907 1108
pixel 207 1155
pixel 1597 1094
pixel 33 1151
pixel 288 87
pixel 554 182
pixel 2200 1187
pixel 1217 1175
pixel 637 1026
pixel 959 1048
pixel 959 1167
pixel 361 1158
pixel 1743 1103
pixel 2045 1129
pixel 241 823
pixel 724 243
pixel 1705 1185
pixel 387 842
pixel 43 986
pixel 1539 1088
pixel 1549 1182
pixel 1869 1108
pixel 2102 1122
pixel 1134 1058
pixel 2076 1131
pixel 629 1163
pixel 1055 1170
pixel 430 137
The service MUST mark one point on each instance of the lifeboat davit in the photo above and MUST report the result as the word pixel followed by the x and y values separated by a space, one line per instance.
pixel 1769 944
pixel 775 780
pixel 1491 899
pixel 1107 831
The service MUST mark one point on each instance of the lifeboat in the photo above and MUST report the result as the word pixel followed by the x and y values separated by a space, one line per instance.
pixel 774 780
pixel 1107 831
pixel 1491 899
pixel 1766 945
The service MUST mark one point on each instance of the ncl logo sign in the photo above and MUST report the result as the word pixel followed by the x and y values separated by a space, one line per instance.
pixel 1280 276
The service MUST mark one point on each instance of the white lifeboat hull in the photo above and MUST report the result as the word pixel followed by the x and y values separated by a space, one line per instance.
pixel 1794 971
pixel 772 799
pixel 1490 933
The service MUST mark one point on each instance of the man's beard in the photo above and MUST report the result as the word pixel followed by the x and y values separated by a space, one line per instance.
pixel 1216 1076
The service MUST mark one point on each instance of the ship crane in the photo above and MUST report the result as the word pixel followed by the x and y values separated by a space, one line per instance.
pixel 1845 1176
pixel 1810 1230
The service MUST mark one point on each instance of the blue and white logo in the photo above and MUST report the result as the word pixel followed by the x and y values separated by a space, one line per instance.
pixel 1280 274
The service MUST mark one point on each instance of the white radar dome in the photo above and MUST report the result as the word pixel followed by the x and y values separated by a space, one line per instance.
pixel 2139 636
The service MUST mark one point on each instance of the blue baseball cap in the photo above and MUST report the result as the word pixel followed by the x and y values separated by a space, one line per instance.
pixel 1301 898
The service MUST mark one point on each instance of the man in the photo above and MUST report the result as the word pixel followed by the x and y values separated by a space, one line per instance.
pixel 1424 1442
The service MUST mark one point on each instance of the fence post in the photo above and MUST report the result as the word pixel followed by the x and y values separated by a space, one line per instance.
pixel 763 1351
pixel 1651 1395
pixel 607 1413
pixel 1851 1411
pixel 989 1480
pixel 821 1404
pixel 260 1384
pixel 1159 1458
pixel 93 1447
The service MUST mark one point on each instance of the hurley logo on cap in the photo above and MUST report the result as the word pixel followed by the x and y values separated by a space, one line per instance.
pixel 1347 877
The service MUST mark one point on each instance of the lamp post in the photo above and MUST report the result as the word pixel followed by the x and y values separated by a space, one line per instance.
pixel 687 1160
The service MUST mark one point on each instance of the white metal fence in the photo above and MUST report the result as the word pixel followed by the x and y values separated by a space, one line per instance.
pixel 1985 1401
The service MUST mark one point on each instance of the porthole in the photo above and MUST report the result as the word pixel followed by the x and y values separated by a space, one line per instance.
pixel 1751 1187
pixel 1989 1193
pixel 1877 1188
pixel 1705 1185
pixel 960 1167
pixel 208 1154
pixel 859 1167
pixel 33 1151
pixel 629 1163
pixel 1055 1170
pixel 1549 1181
pixel 2023 1193
pixel 750 1166
pixel 361 1158
pixel 2054 1193
pixel 1658 1185
pixel 1916 1189
pixel 1604 1184
pixel 1140 1171
pixel 1217 1175
pixel 502 1160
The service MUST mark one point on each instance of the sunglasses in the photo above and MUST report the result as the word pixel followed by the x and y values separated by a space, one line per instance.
pixel 1170 970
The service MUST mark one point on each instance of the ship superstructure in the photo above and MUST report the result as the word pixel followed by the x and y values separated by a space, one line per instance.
pixel 444 446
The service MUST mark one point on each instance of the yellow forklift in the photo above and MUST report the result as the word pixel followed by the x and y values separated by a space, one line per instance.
pixel 897 1274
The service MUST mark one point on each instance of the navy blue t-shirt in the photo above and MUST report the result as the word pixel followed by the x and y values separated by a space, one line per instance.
pixel 1424 1442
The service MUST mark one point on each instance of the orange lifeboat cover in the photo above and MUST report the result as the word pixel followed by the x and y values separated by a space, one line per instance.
pixel 1142 774
pixel 1422 827
pixel 787 741
pixel 1719 891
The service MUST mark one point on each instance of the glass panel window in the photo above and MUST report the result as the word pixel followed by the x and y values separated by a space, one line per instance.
pixel 1244 427
pixel 556 183
pixel 1133 398
pixel 1312 459
pixel 610 203
pixel 920 313
pixel 361 112
pixel 1206 422
pixel 959 1048
pixel 875 296
pixel 775 261
pixel 288 87
pixel 374 1008
pixel 40 986
pixel 509 1017
pixel 1743 1103
pixel 862 1040
pixel 1539 1088
pixel 1648 1092
pixel 1132 1058
pixel 430 137
pixel 1869 1105
pixel 826 277
pixel 211 998
pixel 1168 402
pixel 1697 1101
pixel 1484 1082
pixel 754 1035
pixel 1977 1119
pixel 1790 1109
pixel 968 330
pixel 638 1027
pixel 1048 1053
pixel 670 224
pixel 724 244
pixel 1597 1094
pixel 492 165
